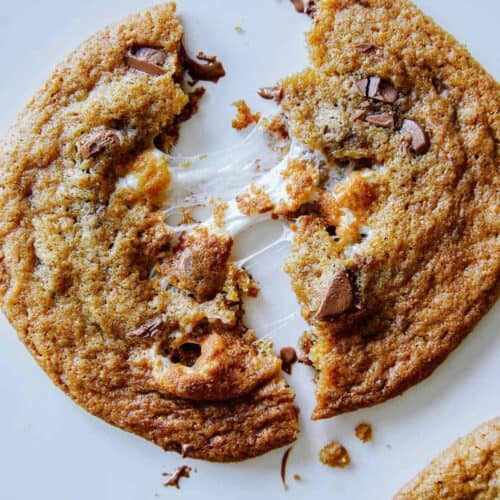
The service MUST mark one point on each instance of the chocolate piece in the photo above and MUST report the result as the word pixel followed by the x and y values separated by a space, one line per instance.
pixel 275 93
pixel 147 59
pixel 376 88
pixel 363 49
pixel 305 7
pixel 284 462
pixel 419 140
pixel 182 471
pixel 358 115
pixel 289 358
pixel 299 5
pixel 211 71
pixel 385 120
pixel 98 141
pixel 150 329
pixel 364 432
pixel 338 297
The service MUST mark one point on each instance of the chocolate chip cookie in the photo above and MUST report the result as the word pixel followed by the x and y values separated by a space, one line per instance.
pixel 470 468
pixel 398 256
pixel 81 243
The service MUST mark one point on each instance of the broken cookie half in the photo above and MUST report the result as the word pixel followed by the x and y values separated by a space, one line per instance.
pixel 400 257
pixel 118 311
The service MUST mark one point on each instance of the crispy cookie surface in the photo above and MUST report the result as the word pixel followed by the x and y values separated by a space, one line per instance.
pixel 399 257
pixel 470 468
pixel 78 245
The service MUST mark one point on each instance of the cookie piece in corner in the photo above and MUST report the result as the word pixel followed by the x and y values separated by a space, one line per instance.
pixel 470 468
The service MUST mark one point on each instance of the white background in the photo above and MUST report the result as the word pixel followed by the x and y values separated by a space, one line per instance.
pixel 50 449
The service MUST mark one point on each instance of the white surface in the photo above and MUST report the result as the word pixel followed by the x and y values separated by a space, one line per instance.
pixel 53 450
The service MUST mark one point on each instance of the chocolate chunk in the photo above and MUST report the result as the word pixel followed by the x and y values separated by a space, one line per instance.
pixel 289 358
pixel 305 7
pixel 147 59
pixel 385 120
pixel 363 49
pixel 211 71
pixel 98 141
pixel 152 328
pixel 182 471
pixel 358 115
pixel 275 93
pixel 299 5
pixel 419 140
pixel 376 88
pixel 338 297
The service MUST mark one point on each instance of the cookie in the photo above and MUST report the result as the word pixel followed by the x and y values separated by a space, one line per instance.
pixel 81 243
pixel 470 468
pixel 397 257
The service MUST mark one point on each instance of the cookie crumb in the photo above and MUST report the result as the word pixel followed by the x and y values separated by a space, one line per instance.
pixel 239 29
pixel 244 116
pixel 364 432
pixel 335 455
pixel 297 477
pixel 182 471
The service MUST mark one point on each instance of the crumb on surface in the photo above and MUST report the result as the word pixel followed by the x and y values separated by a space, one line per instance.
pixel 335 455
pixel 297 477
pixel 182 471
pixel 239 29
pixel 244 116
pixel 364 432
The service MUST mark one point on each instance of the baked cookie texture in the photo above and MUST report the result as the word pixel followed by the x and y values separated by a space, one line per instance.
pixel 470 468
pixel 79 247
pixel 398 258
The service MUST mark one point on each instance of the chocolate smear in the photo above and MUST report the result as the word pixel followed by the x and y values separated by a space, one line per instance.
pixel 149 60
pixel 150 329
pixel 98 141
pixel 284 462
pixel 182 471
pixel 338 297
pixel 211 70
pixel 419 140
pixel 385 120
pixel 288 359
